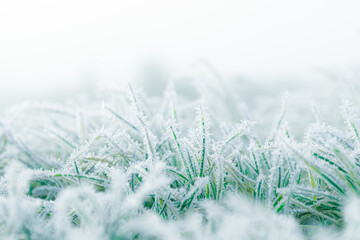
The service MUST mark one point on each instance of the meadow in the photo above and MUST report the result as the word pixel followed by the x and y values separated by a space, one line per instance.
pixel 123 165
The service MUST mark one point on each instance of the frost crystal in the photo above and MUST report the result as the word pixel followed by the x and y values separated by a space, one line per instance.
pixel 174 169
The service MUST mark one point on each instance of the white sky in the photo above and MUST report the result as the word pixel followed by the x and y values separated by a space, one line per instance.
pixel 49 46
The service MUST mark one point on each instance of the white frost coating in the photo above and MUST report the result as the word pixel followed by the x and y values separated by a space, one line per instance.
pixel 352 219
pixel 162 170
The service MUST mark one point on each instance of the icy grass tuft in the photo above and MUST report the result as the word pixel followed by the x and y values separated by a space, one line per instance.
pixel 174 168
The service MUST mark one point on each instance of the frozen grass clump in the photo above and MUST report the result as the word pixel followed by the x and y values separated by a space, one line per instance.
pixel 122 167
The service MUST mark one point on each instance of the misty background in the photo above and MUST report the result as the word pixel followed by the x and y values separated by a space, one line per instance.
pixel 53 50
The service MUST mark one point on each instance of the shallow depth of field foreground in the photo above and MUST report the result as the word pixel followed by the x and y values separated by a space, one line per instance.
pixel 122 165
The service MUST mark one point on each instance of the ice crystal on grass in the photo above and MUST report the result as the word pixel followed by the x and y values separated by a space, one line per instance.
pixel 168 169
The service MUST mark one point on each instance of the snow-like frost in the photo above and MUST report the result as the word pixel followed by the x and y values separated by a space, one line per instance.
pixel 174 169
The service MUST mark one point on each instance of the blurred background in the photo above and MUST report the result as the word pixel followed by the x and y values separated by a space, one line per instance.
pixel 52 50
